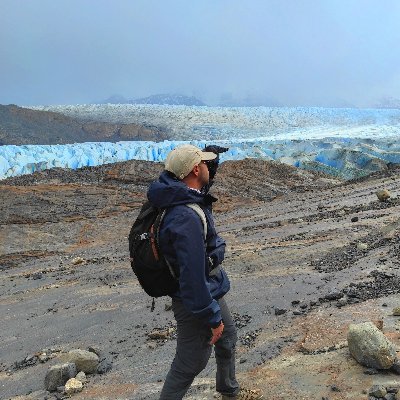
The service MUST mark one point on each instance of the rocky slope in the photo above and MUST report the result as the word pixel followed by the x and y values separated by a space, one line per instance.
pixel 307 255
pixel 20 126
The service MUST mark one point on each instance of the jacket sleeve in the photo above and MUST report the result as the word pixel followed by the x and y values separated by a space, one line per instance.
pixel 217 251
pixel 187 239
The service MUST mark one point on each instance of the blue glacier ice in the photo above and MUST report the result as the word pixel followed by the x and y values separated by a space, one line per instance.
pixel 344 142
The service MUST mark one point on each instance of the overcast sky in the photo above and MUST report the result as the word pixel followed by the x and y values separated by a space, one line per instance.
pixel 297 52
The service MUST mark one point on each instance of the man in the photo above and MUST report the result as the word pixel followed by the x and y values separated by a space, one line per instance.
pixel 201 313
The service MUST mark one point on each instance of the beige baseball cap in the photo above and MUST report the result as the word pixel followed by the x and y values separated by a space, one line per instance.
pixel 182 159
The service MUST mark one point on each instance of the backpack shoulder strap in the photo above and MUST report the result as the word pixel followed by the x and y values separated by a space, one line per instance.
pixel 199 211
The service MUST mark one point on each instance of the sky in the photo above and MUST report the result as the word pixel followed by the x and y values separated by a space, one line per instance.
pixel 292 52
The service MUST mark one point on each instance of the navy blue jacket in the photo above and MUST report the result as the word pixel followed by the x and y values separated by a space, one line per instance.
pixel 182 243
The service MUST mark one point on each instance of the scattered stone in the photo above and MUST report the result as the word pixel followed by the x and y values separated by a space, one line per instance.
pixel 295 302
pixel 73 386
pixel 84 360
pixel 392 389
pixel 26 362
pixel 297 312
pixel 354 219
pixel 390 396
pixel 396 367
pixel 105 365
pixel 152 345
pixel 371 371
pixel 303 305
pixel 335 295
pixel 37 275
pixel 377 391
pixel 241 320
pixel 396 311
pixel 362 246
pixel 168 306
pixel 57 375
pixel 78 260
pixel 334 388
pixel 280 311
pixel 383 195
pixel 342 302
pixel 81 377
pixel 159 334
pixel 369 346
pixel 43 357
pixel 242 360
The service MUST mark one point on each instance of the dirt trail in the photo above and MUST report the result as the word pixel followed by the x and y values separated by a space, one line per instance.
pixel 291 245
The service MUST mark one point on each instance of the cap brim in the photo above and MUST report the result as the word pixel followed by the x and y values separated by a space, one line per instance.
pixel 208 155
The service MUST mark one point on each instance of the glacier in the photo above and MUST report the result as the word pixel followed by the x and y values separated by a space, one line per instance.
pixel 346 143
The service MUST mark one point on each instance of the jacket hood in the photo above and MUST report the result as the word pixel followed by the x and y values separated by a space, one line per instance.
pixel 169 191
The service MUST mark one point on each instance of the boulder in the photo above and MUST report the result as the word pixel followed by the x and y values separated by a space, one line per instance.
pixel 57 375
pixel 369 346
pixel 73 386
pixel 84 360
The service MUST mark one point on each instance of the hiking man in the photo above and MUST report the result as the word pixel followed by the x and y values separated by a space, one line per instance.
pixel 202 316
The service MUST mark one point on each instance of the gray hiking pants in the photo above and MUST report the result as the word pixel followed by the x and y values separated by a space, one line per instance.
pixel 193 351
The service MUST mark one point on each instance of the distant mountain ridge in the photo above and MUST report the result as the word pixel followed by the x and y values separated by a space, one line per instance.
pixel 21 126
pixel 388 102
pixel 162 99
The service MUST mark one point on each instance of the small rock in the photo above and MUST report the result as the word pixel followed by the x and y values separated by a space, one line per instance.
pixel 354 219
pixel 81 377
pixel 390 396
pixel 383 195
pixel 362 246
pixel 396 367
pixel 242 360
pixel 280 311
pixel 371 371
pixel 342 302
pixel 377 391
pixel 334 388
pixel 104 366
pixel 392 389
pixel 296 312
pixel 43 357
pixel 168 306
pixel 73 386
pixel 57 375
pixel 37 275
pixel 396 311
pixel 78 260
pixel 335 295
pixel 295 302
pixel 61 389
pixel 159 334
pixel 152 346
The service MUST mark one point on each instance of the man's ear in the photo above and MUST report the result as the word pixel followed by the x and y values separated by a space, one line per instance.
pixel 196 170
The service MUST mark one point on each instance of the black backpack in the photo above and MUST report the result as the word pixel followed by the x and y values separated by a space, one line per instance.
pixel 155 274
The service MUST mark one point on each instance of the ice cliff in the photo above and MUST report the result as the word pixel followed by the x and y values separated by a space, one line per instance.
pixel 344 142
